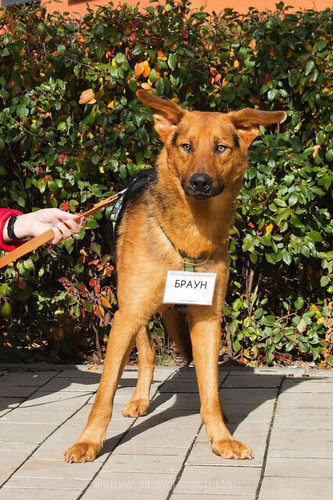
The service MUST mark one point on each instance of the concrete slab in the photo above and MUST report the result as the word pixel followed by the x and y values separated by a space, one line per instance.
pixel 275 488
pixel 299 467
pixel 166 454
pixel 116 486
pixel 144 464
pixel 30 379
pixel 37 494
pixel 255 381
pixel 218 481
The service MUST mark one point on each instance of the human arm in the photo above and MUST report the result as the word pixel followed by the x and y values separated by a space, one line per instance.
pixel 62 223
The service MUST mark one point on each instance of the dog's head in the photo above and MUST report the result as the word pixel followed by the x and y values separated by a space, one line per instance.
pixel 207 151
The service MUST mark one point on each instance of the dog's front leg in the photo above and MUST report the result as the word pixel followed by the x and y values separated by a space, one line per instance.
pixel 205 337
pixel 139 403
pixel 122 337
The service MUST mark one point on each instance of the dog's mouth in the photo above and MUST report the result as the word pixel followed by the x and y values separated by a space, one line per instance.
pixel 201 187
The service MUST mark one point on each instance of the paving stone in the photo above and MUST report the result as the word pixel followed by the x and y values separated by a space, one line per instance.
pixel 124 394
pixel 237 412
pixel 5 473
pixel 56 445
pixel 179 386
pixel 254 396
pixel 20 416
pixel 218 480
pixel 288 371
pixel 17 446
pixel 13 458
pixel 303 400
pixel 46 483
pixel 249 428
pixel 185 375
pixel 4 412
pixel 168 419
pixel 131 448
pixel 155 447
pixel 70 385
pixel 308 386
pixel 299 467
pixel 285 442
pixel 202 454
pixel 144 463
pixel 94 375
pixel 189 496
pixel 29 433
pixel 176 401
pixel 318 373
pixel 9 403
pixel 115 427
pixel 173 437
pixel 9 392
pixel 283 420
pixel 300 410
pixel 116 486
pixel 55 401
pixel 273 488
pixel 37 494
pixel 57 469
pixel 255 381
pixel 23 379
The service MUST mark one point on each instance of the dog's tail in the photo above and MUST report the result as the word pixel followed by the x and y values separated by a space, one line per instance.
pixel 177 328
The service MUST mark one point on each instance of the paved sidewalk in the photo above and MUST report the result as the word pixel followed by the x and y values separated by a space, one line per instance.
pixel 284 415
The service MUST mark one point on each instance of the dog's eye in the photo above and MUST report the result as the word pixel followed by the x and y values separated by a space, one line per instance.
pixel 186 147
pixel 220 149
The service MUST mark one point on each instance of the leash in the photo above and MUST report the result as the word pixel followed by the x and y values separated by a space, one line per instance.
pixel 43 238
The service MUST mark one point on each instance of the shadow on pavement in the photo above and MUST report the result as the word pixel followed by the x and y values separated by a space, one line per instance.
pixel 243 392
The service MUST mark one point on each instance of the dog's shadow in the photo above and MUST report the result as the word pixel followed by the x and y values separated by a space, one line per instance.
pixel 242 392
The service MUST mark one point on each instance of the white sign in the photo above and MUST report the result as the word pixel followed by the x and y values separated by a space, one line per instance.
pixel 185 287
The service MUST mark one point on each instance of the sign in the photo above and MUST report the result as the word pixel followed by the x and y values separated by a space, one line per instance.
pixel 185 287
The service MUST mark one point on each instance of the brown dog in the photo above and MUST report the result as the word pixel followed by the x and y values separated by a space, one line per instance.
pixel 187 206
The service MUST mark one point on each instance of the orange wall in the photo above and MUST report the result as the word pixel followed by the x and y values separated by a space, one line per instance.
pixel 79 6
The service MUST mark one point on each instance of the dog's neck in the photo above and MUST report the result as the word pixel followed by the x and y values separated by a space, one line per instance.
pixel 194 226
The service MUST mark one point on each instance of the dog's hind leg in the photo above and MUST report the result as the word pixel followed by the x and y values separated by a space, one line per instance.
pixel 177 328
pixel 205 336
pixel 139 402
pixel 121 340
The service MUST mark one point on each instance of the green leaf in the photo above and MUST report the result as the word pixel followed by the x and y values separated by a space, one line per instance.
pixel 293 77
pixel 91 223
pixel 172 60
pixel 299 302
pixel 309 67
pixel 268 320
pixel 87 305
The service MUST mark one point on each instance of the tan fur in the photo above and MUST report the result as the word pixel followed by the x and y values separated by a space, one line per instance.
pixel 166 217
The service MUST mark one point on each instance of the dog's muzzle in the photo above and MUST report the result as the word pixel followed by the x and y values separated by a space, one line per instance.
pixel 201 186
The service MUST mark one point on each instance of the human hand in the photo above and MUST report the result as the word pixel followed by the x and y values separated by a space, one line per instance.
pixel 62 223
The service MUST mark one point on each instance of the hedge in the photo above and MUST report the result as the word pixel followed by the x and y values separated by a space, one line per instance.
pixel 72 130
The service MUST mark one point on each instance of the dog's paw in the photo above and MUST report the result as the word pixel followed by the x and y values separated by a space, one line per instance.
pixel 82 451
pixel 230 448
pixel 136 408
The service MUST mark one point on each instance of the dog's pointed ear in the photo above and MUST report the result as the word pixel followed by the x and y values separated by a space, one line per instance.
pixel 248 120
pixel 166 113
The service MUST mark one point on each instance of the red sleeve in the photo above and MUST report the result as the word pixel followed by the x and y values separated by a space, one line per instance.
pixel 5 213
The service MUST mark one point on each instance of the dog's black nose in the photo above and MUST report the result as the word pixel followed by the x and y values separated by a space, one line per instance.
pixel 201 183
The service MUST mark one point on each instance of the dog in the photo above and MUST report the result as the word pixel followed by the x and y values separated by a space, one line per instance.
pixel 184 207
